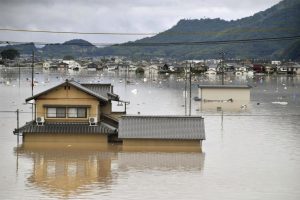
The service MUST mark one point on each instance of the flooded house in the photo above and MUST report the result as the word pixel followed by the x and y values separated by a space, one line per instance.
pixel 73 109
pixel 79 112
pixel 224 97
pixel 161 131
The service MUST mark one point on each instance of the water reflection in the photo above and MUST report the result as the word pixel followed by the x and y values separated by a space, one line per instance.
pixel 161 161
pixel 68 169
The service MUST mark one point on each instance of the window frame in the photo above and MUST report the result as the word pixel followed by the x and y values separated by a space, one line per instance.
pixel 77 112
pixel 65 114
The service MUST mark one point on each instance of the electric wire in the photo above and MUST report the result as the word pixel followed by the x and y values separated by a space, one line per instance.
pixel 168 32
pixel 149 44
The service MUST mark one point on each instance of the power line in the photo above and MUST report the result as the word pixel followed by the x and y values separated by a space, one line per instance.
pixel 213 42
pixel 234 30
pixel 141 44
pixel 74 32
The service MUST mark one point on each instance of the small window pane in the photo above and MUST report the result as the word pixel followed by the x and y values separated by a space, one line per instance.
pixel 72 112
pixel 51 112
pixel 60 112
pixel 81 112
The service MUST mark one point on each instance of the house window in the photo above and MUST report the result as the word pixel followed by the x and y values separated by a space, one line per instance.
pixel 77 112
pixel 56 112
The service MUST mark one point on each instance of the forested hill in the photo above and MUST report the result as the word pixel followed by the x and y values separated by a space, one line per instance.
pixel 280 20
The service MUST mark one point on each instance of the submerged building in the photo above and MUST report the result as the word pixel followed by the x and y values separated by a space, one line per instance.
pixel 224 97
pixel 72 110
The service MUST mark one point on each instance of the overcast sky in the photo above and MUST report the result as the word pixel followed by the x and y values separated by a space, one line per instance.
pixel 135 16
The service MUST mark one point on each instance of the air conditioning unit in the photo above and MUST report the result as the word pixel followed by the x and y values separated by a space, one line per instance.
pixel 93 121
pixel 40 121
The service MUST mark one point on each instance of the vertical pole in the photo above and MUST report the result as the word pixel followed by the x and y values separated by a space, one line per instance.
pixel 201 100
pixel 125 75
pixel 222 68
pixel 190 93
pixel 32 81
pixel 222 119
pixel 32 73
pixel 19 75
pixel 185 89
pixel 18 126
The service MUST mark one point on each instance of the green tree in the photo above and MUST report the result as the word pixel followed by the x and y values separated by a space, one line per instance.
pixel 10 54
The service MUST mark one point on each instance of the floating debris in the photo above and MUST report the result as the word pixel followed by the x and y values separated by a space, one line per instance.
pixel 134 91
pixel 280 103
pixel 243 107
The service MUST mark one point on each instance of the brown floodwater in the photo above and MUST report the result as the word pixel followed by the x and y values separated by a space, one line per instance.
pixel 251 153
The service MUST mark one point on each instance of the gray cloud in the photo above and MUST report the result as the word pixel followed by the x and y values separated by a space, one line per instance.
pixel 112 16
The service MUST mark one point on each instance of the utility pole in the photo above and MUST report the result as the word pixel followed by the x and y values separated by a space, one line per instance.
pixel 18 126
pixel 19 73
pixel 32 81
pixel 222 66
pixel 185 89
pixel 190 108
pixel 32 73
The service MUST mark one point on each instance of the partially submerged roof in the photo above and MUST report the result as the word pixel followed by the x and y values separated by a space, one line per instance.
pixel 66 128
pixel 103 91
pixel 225 86
pixel 161 127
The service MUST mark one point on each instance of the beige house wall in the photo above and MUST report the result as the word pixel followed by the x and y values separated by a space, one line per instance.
pixel 161 145
pixel 65 96
pixel 237 94
pixel 76 138
pixel 240 97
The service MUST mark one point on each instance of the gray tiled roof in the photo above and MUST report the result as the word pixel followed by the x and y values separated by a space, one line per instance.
pixel 65 128
pixel 225 86
pixel 105 90
pixel 102 89
pixel 161 127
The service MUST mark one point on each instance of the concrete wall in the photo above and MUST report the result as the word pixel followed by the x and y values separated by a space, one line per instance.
pixel 76 138
pixel 65 96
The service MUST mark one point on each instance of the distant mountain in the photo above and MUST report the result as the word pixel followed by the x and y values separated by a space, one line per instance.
pixel 26 48
pixel 280 20
pixel 75 48
pixel 292 52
